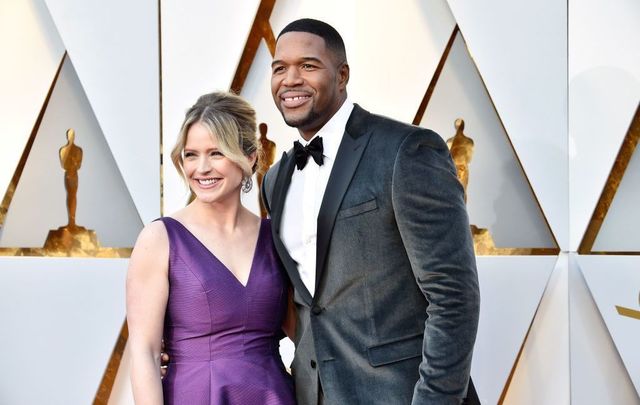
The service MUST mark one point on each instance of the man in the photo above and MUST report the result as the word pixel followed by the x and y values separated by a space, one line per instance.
pixel 374 235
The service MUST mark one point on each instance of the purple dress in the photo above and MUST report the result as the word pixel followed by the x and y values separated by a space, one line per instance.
pixel 222 336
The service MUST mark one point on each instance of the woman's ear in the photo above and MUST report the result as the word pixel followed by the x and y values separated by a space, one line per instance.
pixel 253 160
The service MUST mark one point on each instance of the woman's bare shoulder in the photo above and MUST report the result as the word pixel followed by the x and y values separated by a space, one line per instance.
pixel 152 246
pixel 154 233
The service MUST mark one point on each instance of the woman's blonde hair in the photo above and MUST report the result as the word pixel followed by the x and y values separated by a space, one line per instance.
pixel 231 120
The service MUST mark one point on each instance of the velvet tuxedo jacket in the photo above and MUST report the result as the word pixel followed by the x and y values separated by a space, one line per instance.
pixel 394 316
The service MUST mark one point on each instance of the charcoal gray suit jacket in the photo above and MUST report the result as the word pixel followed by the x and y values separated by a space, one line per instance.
pixel 394 316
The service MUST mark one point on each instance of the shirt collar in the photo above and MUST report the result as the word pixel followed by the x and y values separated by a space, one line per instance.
pixel 333 130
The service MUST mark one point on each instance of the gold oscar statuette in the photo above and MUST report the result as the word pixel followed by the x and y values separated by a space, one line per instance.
pixel 461 149
pixel 267 157
pixel 71 239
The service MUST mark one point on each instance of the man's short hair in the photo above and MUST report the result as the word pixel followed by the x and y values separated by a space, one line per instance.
pixel 332 39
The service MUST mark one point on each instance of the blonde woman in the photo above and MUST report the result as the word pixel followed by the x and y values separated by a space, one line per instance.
pixel 207 278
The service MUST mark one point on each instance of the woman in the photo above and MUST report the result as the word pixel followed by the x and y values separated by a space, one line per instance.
pixel 207 278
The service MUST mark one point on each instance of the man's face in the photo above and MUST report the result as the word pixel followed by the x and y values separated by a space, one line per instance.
pixel 308 83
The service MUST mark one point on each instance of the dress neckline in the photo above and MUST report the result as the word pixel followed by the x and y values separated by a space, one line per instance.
pixel 226 268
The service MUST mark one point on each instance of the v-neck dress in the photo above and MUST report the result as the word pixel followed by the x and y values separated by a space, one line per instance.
pixel 221 335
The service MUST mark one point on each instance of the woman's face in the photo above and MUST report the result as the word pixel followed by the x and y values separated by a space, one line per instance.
pixel 212 177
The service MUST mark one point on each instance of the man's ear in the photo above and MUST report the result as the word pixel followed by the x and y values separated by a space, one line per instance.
pixel 343 75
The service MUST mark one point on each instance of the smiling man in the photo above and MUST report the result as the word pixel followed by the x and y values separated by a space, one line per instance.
pixel 374 235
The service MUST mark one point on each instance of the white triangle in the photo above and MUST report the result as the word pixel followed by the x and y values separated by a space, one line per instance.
pixel 39 202
pixel 32 51
pixel 542 375
pixel 114 47
pixel 498 195
pixel 614 282
pixel 122 392
pixel 617 233
pixel 510 290
pixel 201 46
pixel 526 76
pixel 390 82
pixel 67 314
pixel 604 89
pixel 598 375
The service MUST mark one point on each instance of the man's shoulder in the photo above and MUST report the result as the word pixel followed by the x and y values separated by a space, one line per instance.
pixel 273 169
pixel 271 175
pixel 387 127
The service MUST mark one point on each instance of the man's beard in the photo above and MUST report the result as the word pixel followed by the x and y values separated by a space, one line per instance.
pixel 302 122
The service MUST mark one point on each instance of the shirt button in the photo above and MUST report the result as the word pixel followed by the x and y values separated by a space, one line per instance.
pixel 313 364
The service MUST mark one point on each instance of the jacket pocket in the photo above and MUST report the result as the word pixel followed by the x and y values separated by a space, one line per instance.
pixel 358 209
pixel 395 350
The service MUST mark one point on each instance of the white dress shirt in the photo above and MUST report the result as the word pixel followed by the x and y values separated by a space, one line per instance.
pixel 302 204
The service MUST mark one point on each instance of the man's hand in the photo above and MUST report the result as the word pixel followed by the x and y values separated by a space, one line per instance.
pixel 164 362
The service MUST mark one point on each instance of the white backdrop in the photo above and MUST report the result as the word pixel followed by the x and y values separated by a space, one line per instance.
pixel 39 204
pixel 547 89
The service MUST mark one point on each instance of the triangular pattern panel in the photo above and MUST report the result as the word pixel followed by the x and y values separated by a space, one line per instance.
pixel 378 82
pixel 68 314
pixel 604 92
pixel 598 375
pixel 122 392
pixel 385 78
pixel 103 200
pixel 32 51
pixel 196 61
pixel 526 77
pixel 545 353
pixel 499 197
pixel 511 288
pixel 614 283
pixel 115 48
pixel 619 230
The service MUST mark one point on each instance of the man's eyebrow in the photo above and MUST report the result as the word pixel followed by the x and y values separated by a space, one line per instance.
pixel 311 59
pixel 303 59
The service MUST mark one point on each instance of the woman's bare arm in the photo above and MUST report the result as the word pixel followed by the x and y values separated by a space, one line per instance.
pixel 147 293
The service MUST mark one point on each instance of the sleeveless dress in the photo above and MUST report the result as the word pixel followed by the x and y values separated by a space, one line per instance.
pixel 223 337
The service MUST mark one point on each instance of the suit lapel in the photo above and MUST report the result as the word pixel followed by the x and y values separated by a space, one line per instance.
pixel 280 189
pixel 353 144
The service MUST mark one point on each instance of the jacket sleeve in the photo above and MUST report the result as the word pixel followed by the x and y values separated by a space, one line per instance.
pixel 263 194
pixel 429 208
pixel 268 184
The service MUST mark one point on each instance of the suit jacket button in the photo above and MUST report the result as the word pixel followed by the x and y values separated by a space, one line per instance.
pixel 316 310
pixel 313 364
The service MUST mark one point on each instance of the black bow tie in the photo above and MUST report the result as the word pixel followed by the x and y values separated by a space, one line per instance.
pixel 314 148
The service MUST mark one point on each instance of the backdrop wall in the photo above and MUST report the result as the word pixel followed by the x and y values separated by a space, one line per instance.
pixel 549 92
